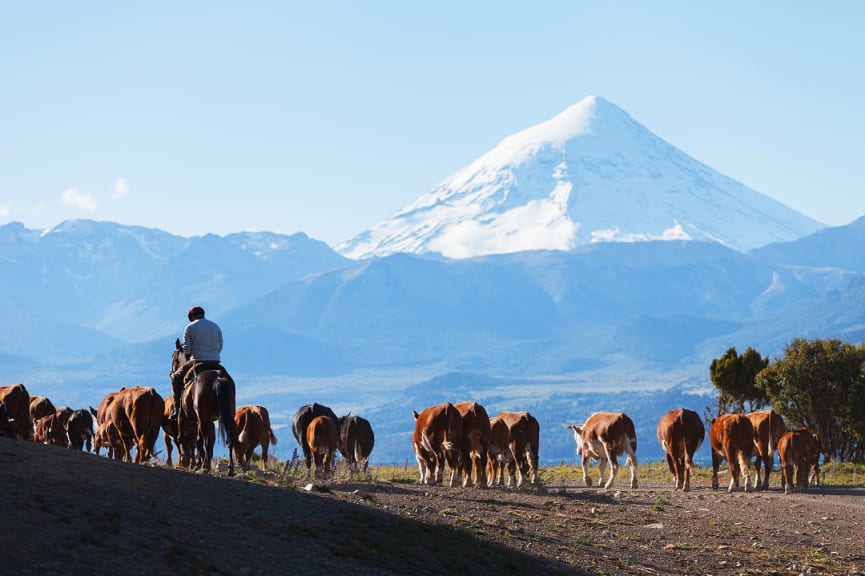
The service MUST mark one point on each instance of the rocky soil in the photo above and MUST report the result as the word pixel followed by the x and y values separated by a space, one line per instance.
pixel 66 512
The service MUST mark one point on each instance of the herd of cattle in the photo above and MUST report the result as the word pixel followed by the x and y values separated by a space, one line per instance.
pixel 478 449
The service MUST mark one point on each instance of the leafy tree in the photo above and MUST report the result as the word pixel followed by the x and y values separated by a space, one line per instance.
pixel 820 384
pixel 734 377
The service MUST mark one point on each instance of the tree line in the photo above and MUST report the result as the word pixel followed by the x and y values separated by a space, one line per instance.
pixel 818 384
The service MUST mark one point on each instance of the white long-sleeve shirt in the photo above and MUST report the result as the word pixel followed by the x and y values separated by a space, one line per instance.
pixel 202 339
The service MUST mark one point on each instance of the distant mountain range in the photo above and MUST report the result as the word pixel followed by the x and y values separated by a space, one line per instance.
pixel 89 306
pixel 623 316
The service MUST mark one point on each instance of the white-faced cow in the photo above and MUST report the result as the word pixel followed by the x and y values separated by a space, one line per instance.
pixel 355 442
pixel 768 429
pixel 475 440
pixel 302 418
pixel 732 439
pixel 498 452
pixel 437 440
pixel 605 436
pixel 799 452
pixel 680 434
pixel 523 443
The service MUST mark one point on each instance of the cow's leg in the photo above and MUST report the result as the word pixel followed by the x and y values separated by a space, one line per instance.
pixel 735 467
pixel 743 466
pixel 586 478
pixel 758 464
pixel 814 474
pixel 614 466
pixel 264 447
pixel 802 471
pixel 716 463
pixel 531 457
pixel 632 464
pixel 326 463
pixel 421 464
pixel 482 469
pixel 686 471
pixel 671 464
pixel 454 462
pixel 768 464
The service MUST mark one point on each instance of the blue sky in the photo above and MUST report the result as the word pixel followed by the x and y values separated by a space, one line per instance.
pixel 328 117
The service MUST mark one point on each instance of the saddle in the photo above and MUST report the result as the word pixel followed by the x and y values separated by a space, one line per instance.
pixel 200 367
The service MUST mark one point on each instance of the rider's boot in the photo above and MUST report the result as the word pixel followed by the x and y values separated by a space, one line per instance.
pixel 177 390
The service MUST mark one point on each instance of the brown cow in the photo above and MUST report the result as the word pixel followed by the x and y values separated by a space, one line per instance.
pixel 137 413
pixel 498 452
pixel 356 441
pixel 186 440
pixel 321 439
pixel 605 436
pixel 51 429
pixel 40 406
pixel 79 430
pixel 108 437
pixel 680 434
pixel 768 429
pixel 101 413
pixel 17 401
pixel 253 426
pixel 799 450
pixel 475 439
pixel 732 439
pixel 523 440
pixel 437 439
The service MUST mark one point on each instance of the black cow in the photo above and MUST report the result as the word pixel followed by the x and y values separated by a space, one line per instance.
pixel 355 441
pixel 79 430
pixel 302 418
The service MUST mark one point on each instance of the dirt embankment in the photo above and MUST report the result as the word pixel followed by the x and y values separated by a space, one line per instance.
pixel 73 513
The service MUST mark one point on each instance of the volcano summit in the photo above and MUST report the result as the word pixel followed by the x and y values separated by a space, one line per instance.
pixel 590 174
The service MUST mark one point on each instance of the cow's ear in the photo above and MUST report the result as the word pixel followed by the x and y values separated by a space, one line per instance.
pixel 414 413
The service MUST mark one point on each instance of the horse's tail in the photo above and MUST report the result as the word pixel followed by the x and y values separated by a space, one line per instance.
pixel 225 405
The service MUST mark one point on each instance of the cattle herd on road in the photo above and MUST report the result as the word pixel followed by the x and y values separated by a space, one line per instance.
pixel 478 450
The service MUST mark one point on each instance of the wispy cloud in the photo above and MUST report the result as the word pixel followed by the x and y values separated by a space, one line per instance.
pixel 5 211
pixel 121 188
pixel 78 199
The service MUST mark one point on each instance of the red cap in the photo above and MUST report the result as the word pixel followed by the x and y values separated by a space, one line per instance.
pixel 195 312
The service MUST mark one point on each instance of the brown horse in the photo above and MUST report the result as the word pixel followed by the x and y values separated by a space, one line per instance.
pixel 210 398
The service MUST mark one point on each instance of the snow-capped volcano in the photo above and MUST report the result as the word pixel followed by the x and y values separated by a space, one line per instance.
pixel 590 174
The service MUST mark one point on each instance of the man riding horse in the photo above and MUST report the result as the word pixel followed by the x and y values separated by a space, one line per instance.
pixel 202 342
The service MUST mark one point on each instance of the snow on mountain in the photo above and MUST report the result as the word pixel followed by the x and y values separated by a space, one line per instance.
pixel 590 174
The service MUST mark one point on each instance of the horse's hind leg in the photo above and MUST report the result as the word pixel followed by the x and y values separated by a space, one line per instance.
pixel 208 434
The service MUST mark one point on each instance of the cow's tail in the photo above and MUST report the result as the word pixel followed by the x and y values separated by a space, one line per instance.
pixel 771 437
pixel 270 435
pixel 225 406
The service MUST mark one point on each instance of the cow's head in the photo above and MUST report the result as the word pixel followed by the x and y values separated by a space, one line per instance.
pixel 578 436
